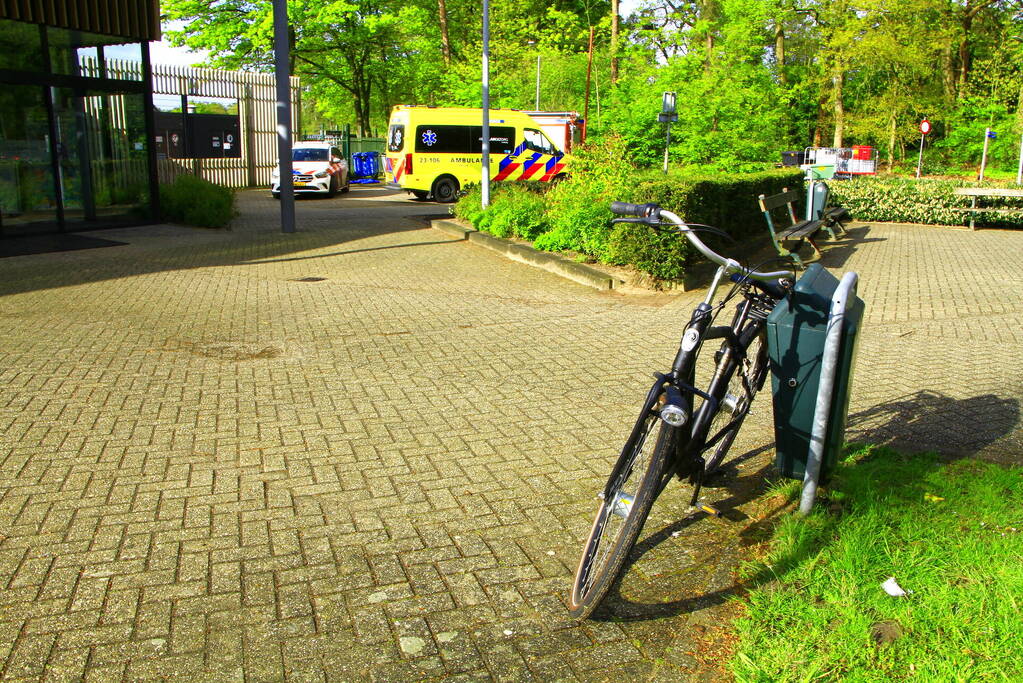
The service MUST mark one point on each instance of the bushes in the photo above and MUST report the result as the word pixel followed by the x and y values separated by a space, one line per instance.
pixel 575 215
pixel 516 210
pixel 907 200
pixel 194 201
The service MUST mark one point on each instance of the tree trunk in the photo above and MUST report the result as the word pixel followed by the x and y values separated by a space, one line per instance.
pixel 818 132
pixel 709 14
pixel 891 143
pixel 838 80
pixel 779 51
pixel 614 41
pixel 445 45
pixel 964 51
pixel 948 72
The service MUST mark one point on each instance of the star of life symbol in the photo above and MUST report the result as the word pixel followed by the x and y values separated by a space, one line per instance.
pixel 429 138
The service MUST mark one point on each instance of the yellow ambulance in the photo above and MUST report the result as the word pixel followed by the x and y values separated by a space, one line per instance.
pixel 435 151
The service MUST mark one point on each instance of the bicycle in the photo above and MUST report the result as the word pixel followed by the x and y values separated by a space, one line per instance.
pixel 690 422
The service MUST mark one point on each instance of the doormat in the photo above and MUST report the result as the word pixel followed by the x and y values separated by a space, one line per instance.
pixel 46 244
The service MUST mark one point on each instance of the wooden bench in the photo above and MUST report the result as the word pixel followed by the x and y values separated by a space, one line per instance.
pixel 975 192
pixel 796 233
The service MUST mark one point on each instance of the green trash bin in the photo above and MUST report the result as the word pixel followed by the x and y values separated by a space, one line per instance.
pixel 822 171
pixel 796 332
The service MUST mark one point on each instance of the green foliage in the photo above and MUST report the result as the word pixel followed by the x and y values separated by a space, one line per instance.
pixel 575 214
pixel 195 201
pixel 907 200
pixel 950 533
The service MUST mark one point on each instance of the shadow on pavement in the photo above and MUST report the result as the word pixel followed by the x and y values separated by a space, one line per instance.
pixel 924 421
pixel 931 421
pixel 838 252
pixel 255 236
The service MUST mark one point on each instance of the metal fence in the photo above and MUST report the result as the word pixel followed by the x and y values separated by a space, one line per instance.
pixel 257 109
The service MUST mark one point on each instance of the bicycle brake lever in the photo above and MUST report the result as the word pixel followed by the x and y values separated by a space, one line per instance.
pixel 645 220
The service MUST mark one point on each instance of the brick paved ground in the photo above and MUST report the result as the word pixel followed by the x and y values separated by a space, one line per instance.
pixel 212 470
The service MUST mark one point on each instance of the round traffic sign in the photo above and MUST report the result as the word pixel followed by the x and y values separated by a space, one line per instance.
pixel 925 126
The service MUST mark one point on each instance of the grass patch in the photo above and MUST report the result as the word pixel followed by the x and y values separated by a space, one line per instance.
pixel 950 533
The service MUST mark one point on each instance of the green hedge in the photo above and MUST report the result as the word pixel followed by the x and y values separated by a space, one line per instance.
pixel 194 201
pixel 908 200
pixel 574 215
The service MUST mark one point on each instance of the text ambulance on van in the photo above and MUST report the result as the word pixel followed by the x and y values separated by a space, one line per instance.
pixel 435 151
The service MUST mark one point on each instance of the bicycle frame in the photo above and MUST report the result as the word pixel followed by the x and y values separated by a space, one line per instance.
pixel 687 457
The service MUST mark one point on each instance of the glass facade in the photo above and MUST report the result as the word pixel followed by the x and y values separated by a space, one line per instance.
pixel 74 148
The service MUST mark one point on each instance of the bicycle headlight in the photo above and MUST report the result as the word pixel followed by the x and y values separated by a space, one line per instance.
pixel 674 415
pixel 674 412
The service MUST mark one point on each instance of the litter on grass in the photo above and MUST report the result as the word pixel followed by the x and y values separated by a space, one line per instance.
pixel 892 588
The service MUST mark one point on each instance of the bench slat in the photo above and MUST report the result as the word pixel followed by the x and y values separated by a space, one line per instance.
pixel 800 231
pixel 776 200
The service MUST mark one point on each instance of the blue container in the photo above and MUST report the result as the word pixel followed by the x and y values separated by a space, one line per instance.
pixel 366 164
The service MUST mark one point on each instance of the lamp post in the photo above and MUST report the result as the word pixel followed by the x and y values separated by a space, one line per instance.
pixel 538 81
pixel 485 180
pixel 533 43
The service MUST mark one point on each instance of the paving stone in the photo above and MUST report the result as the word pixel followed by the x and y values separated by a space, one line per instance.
pixel 212 471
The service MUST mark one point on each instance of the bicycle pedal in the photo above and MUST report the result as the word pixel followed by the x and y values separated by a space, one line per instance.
pixel 711 510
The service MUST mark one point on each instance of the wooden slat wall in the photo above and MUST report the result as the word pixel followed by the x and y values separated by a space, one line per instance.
pixel 137 19
pixel 257 110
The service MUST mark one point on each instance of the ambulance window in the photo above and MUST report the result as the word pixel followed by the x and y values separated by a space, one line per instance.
pixel 443 139
pixel 396 138
pixel 538 142
pixel 502 140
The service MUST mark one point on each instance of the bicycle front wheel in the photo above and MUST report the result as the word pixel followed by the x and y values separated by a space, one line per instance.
pixel 735 405
pixel 624 506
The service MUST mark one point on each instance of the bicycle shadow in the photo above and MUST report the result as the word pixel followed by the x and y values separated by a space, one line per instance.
pixel 919 422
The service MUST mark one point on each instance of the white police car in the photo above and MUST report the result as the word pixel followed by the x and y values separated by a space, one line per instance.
pixel 317 168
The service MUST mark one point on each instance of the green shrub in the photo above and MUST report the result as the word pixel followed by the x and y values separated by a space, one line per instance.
pixel 194 201
pixel 575 215
pixel 908 200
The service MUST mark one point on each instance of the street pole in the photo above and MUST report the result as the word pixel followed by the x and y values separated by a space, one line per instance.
pixel 485 180
pixel 920 159
pixel 282 72
pixel 1019 171
pixel 667 143
pixel 983 159
pixel 589 69
pixel 538 81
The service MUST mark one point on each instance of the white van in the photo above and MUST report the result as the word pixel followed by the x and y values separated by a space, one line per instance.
pixel 317 168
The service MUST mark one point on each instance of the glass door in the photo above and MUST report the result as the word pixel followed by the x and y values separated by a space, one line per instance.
pixel 101 147
pixel 28 200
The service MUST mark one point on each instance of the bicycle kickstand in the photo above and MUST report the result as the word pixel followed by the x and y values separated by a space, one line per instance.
pixel 697 481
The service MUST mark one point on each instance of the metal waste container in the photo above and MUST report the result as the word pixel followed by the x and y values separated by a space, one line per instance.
pixel 796 332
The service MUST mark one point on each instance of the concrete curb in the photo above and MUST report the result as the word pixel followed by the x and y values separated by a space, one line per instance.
pixel 553 263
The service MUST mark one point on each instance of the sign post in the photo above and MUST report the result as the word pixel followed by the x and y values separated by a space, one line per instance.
pixel 668 116
pixel 925 128
pixel 988 135
pixel 1019 170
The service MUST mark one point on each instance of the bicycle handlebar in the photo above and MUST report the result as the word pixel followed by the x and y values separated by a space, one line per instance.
pixel 652 211
pixel 643 210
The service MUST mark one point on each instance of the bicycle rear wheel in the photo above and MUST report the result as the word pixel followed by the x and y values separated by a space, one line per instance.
pixel 624 506
pixel 735 404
